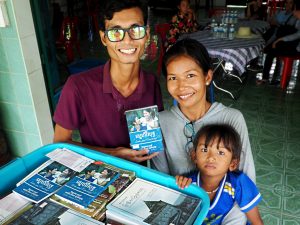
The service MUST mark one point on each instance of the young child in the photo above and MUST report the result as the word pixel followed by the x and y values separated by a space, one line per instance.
pixel 216 155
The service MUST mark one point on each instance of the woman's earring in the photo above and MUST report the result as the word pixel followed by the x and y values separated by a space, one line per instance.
pixel 207 83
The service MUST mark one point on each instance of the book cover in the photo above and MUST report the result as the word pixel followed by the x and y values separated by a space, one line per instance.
pixel 92 210
pixel 35 171
pixel 47 212
pixel 144 202
pixel 84 188
pixel 11 205
pixel 70 159
pixel 44 182
pixel 144 129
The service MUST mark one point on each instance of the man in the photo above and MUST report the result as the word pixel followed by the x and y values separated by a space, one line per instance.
pixel 94 102
pixel 286 42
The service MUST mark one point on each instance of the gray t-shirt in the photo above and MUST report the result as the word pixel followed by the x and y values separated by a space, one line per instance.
pixel 175 160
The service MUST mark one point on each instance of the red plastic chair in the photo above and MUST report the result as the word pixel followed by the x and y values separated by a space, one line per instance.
pixel 287 69
pixel 162 30
pixel 216 12
pixel 273 5
pixel 68 38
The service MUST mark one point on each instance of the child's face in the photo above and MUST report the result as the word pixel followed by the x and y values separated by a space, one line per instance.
pixel 186 82
pixel 214 160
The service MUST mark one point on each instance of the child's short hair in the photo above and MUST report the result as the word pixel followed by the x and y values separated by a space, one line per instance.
pixel 221 132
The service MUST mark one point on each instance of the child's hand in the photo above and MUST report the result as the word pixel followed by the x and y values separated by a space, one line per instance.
pixel 183 182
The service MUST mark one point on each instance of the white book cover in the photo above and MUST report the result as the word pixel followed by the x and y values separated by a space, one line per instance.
pixel 11 205
pixel 70 159
pixel 144 202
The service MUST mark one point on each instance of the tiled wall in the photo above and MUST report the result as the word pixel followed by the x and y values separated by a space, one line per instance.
pixel 24 109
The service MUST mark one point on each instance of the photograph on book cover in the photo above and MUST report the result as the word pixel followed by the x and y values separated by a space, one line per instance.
pixel 99 175
pixel 45 182
pixel 57 173
pixel 84 188
pixel 144 129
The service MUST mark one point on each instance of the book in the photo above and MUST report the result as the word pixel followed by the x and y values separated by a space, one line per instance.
pixel 64 156
pixel 70 159
pixel 97 208
pixel 11 205
pixel 35 171
pixel 84 188
pixel 144 202
pixel 144 129
pixel 47 212
pixel 44 182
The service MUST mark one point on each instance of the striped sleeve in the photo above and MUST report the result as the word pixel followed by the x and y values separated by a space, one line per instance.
pixel 247 196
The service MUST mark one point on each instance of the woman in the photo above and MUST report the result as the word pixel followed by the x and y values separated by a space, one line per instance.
pixel 183 22
pixel 188 69
pixel 256 10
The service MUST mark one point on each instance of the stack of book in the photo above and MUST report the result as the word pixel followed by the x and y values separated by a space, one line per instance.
pixel 72 189
pixel 68 188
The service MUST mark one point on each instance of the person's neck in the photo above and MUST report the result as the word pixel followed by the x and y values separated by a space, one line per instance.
pixel 125 77
pixel 197 112
pixel 210 183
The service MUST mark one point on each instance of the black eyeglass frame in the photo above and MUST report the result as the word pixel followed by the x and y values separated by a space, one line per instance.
pixel 126 30
pixel 190 137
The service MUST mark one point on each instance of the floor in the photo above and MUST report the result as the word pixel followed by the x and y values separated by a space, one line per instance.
pixel 273 120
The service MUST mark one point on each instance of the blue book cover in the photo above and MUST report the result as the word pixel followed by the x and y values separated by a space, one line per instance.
pixel 45 182
pixel 144 129
pixel 83 189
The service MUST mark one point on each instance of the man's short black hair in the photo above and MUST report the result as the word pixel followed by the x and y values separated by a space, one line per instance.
pixel 112 6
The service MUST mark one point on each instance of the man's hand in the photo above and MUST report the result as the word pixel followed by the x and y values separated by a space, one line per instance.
pixel 134 155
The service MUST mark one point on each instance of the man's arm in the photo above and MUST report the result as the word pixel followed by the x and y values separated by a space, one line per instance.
pixel 65 135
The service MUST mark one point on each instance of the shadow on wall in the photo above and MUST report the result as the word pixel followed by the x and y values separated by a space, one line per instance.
pixel 5 155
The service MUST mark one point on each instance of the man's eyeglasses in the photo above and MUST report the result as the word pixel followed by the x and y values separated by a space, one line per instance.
pixel 189 132
pixel 118 34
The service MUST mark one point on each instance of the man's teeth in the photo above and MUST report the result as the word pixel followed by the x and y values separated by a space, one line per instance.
pixel 128 51
pixel 185 96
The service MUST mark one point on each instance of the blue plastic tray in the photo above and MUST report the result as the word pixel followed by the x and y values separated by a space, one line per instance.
pixel 13 172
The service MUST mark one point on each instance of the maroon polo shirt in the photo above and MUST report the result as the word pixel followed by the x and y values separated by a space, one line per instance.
pixel 90 103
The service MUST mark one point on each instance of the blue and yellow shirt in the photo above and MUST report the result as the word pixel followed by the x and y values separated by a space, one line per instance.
pixel 234 187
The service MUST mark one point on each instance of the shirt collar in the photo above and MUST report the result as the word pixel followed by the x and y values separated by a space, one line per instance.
pixel 108 85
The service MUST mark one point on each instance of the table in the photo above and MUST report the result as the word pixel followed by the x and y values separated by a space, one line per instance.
pixel 238 51
pixel 256 26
